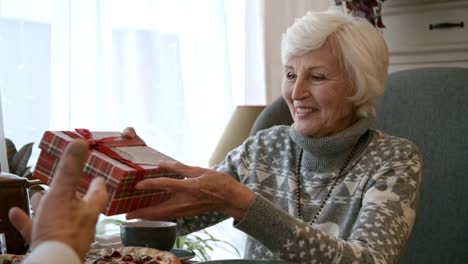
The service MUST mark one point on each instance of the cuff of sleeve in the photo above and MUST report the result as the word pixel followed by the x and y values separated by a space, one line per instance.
pixel 265 222
pixel 53 252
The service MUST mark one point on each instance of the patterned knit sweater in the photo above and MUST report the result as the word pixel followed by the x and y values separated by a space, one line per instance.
pixel 367 218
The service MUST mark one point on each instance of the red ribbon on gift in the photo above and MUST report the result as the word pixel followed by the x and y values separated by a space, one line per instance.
pixel 104 145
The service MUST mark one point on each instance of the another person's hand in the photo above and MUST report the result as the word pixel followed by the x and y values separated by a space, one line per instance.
pixel 130 132
pixel 63 215
pixel 201 191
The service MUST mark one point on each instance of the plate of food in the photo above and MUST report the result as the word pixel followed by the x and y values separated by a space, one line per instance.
pixel 130 255
pixel 11 259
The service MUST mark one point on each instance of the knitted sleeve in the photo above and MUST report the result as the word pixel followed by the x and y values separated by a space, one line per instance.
pixel 188 225
pixel 235 169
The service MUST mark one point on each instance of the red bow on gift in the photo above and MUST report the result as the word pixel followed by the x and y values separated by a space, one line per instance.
pixel 104 145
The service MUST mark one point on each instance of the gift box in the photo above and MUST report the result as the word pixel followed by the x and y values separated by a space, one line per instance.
pixel 120 161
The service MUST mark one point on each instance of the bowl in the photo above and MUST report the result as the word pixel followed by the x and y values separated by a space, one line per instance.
pixel 152 234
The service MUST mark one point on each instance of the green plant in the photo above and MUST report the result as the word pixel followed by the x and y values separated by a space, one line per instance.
pixel 18 159
pixel 201 242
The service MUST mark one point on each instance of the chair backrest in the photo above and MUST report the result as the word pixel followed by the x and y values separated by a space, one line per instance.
pixel 427 106
pixel 276 113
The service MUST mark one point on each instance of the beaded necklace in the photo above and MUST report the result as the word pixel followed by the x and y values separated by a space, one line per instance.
pixel 330 191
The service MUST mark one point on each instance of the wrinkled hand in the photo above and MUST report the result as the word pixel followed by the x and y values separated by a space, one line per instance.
pixel 201 191
pixel 61 214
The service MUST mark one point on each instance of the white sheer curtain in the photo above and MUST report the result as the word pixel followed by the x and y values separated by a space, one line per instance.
pixel 3 153
pixel 174 70
pixel 278 16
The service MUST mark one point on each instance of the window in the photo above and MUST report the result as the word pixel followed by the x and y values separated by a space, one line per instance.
pixel 174 70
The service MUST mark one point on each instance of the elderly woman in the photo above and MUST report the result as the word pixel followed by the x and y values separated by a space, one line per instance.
pixel 328 189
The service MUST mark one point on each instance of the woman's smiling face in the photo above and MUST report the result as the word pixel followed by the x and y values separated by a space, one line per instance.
pixel 316 89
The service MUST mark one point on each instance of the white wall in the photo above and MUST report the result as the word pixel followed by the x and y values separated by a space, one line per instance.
pixel 278 16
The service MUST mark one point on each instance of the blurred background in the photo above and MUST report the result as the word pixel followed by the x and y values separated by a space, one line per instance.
pixel 174 70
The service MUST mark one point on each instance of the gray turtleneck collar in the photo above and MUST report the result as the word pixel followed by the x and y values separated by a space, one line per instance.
pixel 329 153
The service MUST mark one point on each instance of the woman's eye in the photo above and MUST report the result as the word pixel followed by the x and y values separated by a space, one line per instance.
pixel 317 77
pixel 290 75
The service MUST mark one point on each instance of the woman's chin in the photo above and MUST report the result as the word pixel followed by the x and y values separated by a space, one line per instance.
pixel 304 130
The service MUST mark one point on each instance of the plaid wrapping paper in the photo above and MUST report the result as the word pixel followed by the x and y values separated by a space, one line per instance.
pixel 120 178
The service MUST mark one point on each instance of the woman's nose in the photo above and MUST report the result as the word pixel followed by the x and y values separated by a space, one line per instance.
pixel 300 89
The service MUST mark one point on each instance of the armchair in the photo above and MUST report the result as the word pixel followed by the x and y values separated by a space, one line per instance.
pixel 429 107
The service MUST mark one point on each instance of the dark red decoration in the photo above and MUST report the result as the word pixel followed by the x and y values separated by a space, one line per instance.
pixel 369 9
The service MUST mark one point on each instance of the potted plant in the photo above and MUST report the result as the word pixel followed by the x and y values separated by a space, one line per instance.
pixel 18 159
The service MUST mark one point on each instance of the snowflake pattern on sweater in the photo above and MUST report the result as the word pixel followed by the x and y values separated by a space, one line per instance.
pixel 367 219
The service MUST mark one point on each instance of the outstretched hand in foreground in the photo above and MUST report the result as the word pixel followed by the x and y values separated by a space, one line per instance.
pixel 62 214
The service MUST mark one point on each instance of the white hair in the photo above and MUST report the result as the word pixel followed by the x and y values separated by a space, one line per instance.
pixel 360 48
